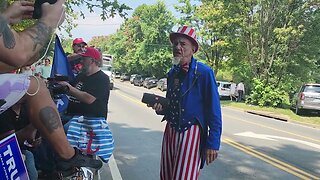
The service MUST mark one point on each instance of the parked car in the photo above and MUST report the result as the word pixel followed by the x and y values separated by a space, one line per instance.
pixel 124 77
pixel 306 99
pixel 138 80
pixel 117 75
pixel 145 80
pixel 150 83
pixel 107 69
pixel 162 84
pixel 224 88
pixel 131 77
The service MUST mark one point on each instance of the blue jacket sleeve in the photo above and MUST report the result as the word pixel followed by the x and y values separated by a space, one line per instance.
pixel 212 111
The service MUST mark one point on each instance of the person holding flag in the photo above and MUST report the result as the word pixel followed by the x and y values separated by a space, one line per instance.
pixel 61 66
pixel 78 46
pixel 45 157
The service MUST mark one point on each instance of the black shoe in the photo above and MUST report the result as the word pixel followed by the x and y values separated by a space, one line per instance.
pixel 78 160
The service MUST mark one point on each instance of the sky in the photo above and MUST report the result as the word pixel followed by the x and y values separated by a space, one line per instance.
pixel 92 25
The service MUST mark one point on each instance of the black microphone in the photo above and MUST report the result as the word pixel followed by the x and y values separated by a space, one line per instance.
pixel 37 13
pixel 151 99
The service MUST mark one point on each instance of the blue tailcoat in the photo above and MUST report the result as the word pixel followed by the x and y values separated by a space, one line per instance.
pixel 200 100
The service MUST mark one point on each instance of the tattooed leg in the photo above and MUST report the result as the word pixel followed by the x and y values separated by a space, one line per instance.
pixel 45 117
pixel 50 119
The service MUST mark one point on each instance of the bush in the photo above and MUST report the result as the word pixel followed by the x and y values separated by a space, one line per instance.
pixel 267 95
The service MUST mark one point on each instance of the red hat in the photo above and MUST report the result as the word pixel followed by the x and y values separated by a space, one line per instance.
pixel 91 52
pixel 78 41
pixel 188 32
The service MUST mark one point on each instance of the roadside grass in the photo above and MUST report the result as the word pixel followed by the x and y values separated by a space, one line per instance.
pixel 307 118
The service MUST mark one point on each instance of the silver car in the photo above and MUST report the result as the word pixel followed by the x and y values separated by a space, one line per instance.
pixel 132 77
pixel 162 84
pixel 307 98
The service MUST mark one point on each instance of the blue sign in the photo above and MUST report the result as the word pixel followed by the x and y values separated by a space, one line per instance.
pixel 11 163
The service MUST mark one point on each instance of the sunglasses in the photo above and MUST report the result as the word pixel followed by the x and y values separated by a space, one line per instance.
pixel 79 45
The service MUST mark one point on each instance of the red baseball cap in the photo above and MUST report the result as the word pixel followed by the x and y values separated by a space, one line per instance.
pixel 92 52
pixel 78 41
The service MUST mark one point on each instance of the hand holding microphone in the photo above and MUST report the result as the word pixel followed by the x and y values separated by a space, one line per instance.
pixel 157 102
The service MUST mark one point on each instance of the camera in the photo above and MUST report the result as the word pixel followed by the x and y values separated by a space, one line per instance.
pixel 151 99
pixel 55 88
pixel 37 7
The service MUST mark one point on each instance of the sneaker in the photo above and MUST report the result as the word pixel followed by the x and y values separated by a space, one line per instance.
pixel 81 173
pixel 78 160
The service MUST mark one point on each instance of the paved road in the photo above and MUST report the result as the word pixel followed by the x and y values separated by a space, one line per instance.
pixel 253 147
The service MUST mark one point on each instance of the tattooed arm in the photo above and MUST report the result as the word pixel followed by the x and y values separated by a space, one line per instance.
pixel 18 48
pixel 5 68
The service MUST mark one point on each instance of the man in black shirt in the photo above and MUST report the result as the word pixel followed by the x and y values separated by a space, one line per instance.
pixel 89 93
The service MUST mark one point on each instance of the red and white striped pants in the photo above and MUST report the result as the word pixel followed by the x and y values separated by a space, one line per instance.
pixel 180 156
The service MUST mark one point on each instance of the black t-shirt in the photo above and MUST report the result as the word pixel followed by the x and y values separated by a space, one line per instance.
pixel 7 120
pixel 10 120
pixel 98 86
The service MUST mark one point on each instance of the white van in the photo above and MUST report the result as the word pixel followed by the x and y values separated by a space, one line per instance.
pixel 224 88
pixel 107 69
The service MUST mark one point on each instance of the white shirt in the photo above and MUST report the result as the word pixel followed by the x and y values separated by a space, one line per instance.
pixel 233 88
pixel 240 86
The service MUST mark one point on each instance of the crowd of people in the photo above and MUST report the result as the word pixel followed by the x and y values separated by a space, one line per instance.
pixel 40 69
pixel 191 137
pixel 20 49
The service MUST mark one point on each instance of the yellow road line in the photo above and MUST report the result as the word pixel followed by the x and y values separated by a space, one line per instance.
pixel 275 162
pixel 131 99
pixel 297 135
pixel 279 130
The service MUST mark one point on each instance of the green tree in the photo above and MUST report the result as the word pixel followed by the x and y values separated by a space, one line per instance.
pixel 99 42
pixel 142 45
pixel 107 8
pixel 209 18
pixel 275 42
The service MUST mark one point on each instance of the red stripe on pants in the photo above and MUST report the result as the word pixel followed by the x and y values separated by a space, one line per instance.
pixel 180 156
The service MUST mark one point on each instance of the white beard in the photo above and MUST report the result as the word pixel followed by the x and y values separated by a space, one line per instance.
pixel 176 60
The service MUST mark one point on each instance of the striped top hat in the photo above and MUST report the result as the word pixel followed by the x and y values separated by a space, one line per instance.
pixel 188 32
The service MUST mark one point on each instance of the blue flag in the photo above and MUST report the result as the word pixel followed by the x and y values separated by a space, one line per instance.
pixel 60 63
pixel 61 66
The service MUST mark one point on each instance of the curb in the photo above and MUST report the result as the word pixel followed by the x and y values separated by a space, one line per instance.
pixel 280 117
pixel 269 115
